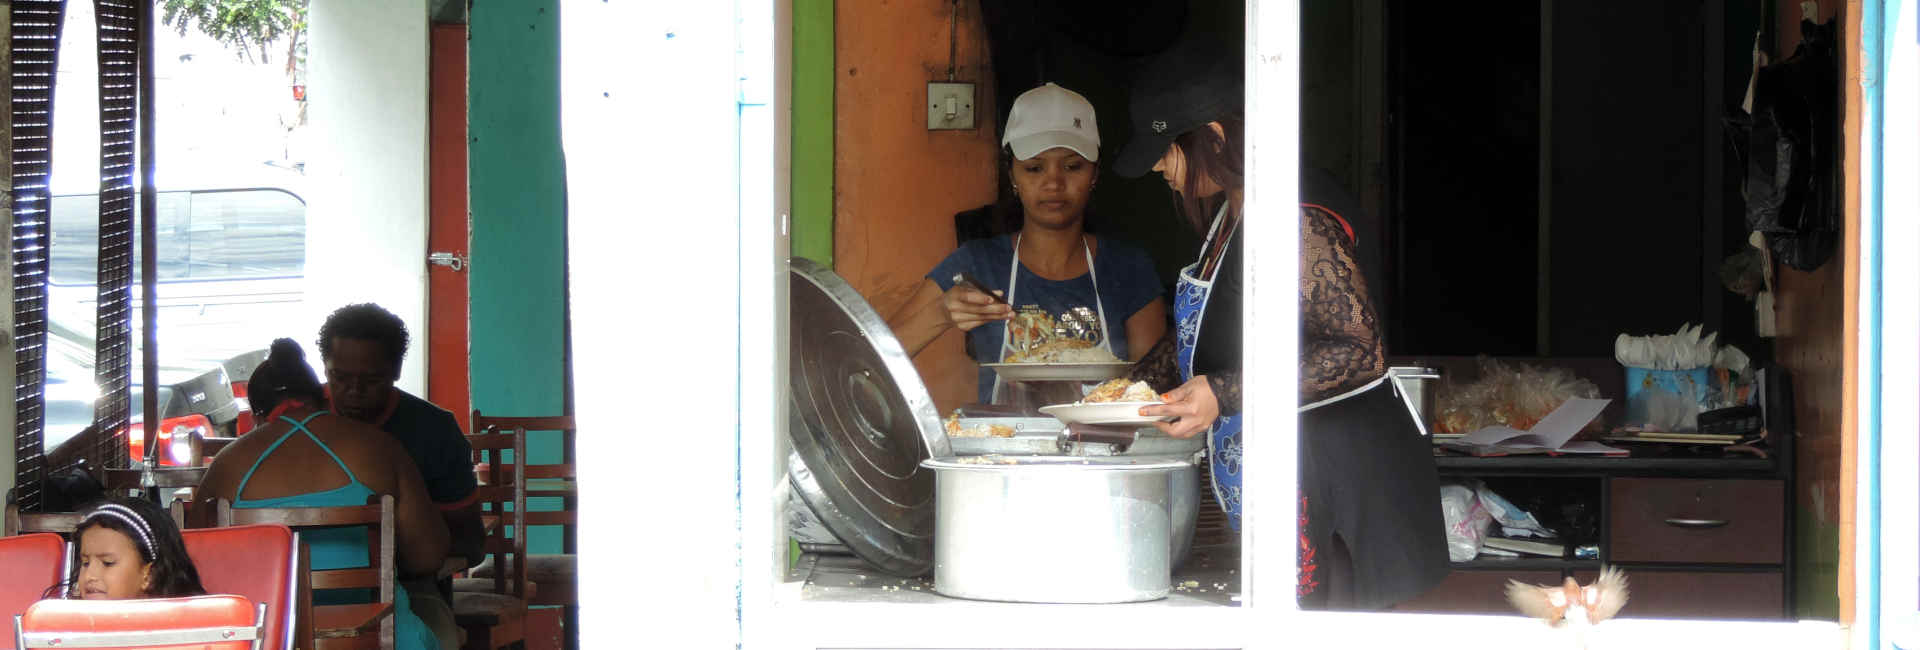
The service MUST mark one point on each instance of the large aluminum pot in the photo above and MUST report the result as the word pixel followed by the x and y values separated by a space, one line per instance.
pixel 1061 529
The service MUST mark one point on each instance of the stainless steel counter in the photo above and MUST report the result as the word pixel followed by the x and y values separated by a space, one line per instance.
pixel 1210 578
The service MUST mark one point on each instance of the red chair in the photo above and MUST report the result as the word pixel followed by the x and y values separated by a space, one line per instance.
pixel 31 564
pixel 259 562
pixel 196 622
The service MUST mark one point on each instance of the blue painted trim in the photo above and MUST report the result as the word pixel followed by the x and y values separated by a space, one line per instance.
pixel 1874 32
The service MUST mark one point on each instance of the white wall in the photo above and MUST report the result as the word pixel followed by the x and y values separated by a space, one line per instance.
pixel 688 315
pixel 367 206
pixel 1900 328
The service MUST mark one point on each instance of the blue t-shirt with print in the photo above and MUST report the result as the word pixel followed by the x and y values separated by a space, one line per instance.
pixel 1127 283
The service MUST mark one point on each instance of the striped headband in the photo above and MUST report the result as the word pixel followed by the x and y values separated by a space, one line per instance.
pixel 132 520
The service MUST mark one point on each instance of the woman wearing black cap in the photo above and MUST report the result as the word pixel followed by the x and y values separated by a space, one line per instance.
pixel 1371 529
pixel 1051 149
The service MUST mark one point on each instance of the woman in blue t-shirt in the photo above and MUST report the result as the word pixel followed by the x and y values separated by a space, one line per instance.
pixel 1051 149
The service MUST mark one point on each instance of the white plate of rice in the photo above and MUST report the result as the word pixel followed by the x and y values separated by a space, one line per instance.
pixel 1103 413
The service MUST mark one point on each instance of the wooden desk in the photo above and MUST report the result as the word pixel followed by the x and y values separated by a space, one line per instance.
pixel 211 445
pixel 163 477
pixel 1699 536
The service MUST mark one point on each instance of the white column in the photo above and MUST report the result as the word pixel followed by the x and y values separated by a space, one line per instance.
pixel 650 105
pixel 367 207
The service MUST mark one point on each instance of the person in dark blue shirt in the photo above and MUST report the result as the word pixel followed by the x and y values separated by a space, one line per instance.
pixel 362 346
pixel 1051 151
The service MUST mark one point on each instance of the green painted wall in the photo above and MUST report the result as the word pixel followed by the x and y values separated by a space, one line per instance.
pixel 517 186
pixel 1816 567
pixel 812 126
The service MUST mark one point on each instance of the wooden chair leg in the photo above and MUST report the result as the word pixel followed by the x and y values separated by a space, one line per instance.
pixel 479 639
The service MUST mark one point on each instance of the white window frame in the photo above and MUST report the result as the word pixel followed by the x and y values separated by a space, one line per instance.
pixel 686 372
pixel 1891 572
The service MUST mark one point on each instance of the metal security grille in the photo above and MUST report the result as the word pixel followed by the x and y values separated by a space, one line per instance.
pixel 35 46
pixel 119 51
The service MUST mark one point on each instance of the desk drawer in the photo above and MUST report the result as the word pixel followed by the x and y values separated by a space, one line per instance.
pixel 1691 594
pixel 1696 520
pixel 1474 592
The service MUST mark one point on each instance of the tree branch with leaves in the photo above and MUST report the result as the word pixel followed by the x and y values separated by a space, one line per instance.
pixel 249 26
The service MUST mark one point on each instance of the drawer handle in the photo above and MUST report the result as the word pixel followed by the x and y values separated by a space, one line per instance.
pixel 1696 523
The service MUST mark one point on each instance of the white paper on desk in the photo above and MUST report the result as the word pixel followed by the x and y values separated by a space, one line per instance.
pixel 1551 432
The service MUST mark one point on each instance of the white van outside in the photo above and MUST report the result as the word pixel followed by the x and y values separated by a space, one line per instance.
pixel 230 266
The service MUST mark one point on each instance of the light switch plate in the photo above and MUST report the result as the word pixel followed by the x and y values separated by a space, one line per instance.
pixel 949 105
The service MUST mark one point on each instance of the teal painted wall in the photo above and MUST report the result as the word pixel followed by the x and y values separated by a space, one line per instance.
pixel 517 185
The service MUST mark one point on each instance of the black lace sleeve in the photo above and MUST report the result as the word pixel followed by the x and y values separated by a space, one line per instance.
pixel 1226 390
pixel 1160 367
pixel 1340 345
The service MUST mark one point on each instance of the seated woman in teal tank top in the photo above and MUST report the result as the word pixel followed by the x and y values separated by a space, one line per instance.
pixel 303 457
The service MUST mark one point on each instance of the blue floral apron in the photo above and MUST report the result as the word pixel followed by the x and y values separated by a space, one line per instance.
pixel 1223 438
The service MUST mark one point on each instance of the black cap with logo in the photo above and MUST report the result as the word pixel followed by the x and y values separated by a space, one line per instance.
pixel 1196 81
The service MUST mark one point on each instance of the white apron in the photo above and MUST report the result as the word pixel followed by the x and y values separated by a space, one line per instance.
pixel 1013 283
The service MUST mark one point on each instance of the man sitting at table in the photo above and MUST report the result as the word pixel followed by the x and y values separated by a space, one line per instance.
pixel 361 346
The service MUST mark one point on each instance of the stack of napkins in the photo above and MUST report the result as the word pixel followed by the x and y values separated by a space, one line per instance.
pixel 1682 350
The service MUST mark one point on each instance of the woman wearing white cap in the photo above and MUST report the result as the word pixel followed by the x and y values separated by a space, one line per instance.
pixel 1051 150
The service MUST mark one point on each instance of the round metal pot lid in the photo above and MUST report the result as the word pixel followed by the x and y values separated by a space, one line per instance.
pixel 861 421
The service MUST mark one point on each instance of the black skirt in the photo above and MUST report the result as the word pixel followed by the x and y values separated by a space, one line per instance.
pixel 1367 477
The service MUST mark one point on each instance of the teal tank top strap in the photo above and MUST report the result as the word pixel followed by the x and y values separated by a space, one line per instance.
pixel 244 478
pixel 301 424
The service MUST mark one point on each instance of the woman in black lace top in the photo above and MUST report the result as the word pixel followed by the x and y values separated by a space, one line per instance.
pixel 1371 528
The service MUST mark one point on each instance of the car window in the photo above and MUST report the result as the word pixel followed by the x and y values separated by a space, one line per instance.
pixel 199 235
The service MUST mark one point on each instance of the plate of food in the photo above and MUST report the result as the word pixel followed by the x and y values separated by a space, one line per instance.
pixel 1115 402
pixel 1048 350
pixel 1095 371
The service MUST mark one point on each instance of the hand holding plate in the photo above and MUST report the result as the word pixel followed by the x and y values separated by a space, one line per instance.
pixel 1193 403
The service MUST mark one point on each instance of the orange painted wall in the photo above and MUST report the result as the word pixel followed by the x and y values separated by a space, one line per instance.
pixel 896 184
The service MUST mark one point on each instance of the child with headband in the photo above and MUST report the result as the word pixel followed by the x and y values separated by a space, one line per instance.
pixel 129 548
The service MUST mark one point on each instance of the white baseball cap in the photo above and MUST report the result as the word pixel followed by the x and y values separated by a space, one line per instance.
pixel 1048 117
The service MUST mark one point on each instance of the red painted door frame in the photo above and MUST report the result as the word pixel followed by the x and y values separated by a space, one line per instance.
pixel 449 382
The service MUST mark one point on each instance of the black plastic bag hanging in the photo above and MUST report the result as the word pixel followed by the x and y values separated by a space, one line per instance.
pixel 1790 148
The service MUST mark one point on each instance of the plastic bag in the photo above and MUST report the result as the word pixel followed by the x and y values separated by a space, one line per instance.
pixel 1514 522
pixel 1466 519
pixel 1515 395
pixel 1790 147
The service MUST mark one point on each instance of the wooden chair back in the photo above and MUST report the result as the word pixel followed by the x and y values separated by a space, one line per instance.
pixel 553 576
pixel 504 495
pixel 18 522
pixel 377 517
pixel 543 479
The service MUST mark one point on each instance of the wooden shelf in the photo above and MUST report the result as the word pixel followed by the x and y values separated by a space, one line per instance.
pixel 1601 466
pixel 1527 564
